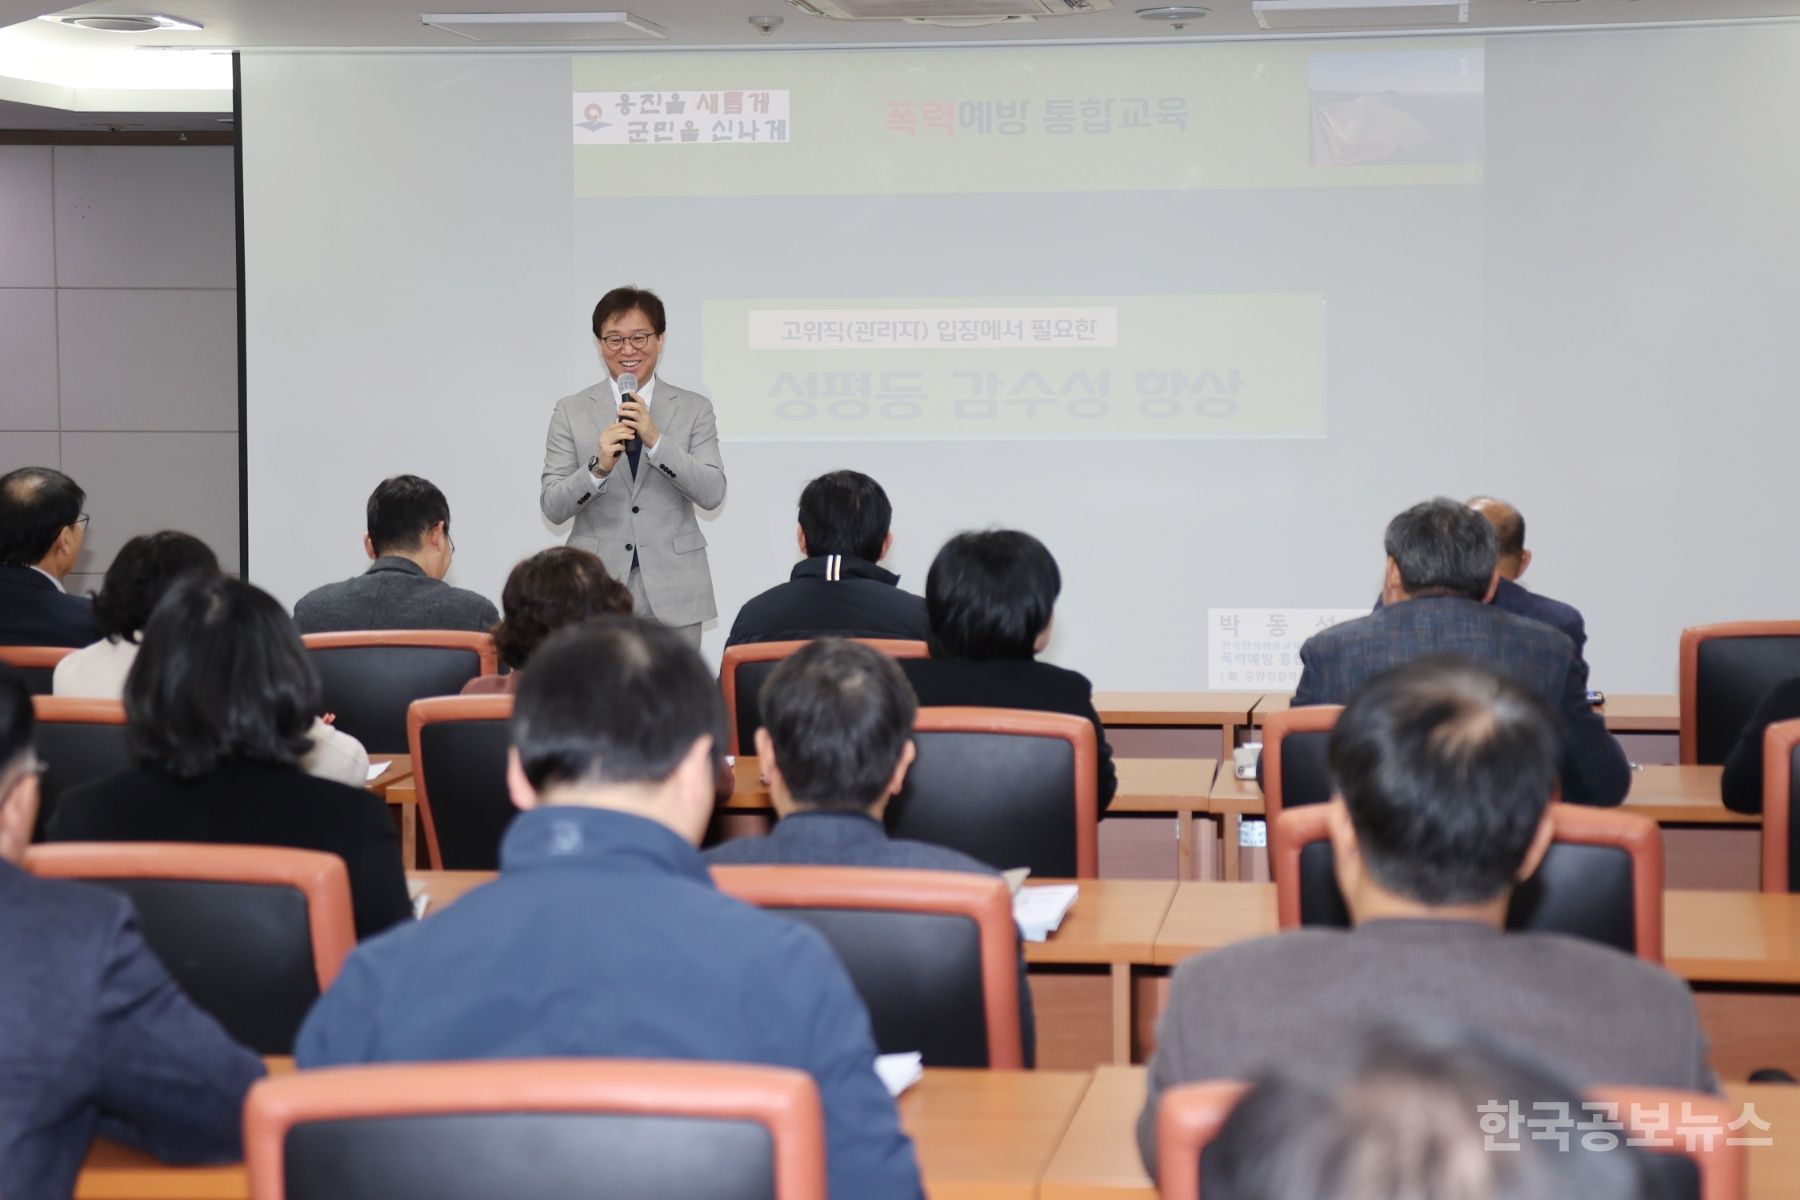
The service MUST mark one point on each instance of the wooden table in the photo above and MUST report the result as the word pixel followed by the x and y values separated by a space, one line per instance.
pixel 1668 794
pixel 1628 712
pixel 1623 712
pixel 988 1135
pixel 395 785
pixel 980 1135
pixel 1224 711
pixel 1111 932
pixel 1098 1159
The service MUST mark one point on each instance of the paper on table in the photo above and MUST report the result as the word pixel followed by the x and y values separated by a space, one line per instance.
pixel 375 770
pixel 900 1071
pixel 1039 910
pixel 1015 878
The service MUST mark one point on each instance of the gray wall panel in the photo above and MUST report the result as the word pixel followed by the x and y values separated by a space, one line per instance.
pixel 28 358
pixel 145 216
pixel 142 482
pixel 170 359
pixel 27 255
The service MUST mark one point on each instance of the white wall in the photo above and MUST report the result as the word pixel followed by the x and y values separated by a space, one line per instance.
pixel 118 336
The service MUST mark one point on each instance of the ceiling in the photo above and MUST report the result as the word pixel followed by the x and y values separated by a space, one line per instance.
pixel 395 23
pixel 90 92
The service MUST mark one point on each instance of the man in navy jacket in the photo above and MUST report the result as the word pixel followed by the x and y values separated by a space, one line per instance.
pixel 603 934
pixel 839 587
pixel 1511 596
pixel 97 1037
pixel 42 529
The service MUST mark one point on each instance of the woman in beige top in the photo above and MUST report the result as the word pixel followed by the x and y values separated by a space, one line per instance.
pixel 141 573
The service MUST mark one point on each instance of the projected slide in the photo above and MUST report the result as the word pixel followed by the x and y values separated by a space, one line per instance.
pixel 1109 366
pixel 1060 242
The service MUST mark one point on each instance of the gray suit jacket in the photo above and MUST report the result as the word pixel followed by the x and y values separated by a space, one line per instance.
pixel 651 515
pixel 1596 1014
pixel 1335 662
pixel 394 593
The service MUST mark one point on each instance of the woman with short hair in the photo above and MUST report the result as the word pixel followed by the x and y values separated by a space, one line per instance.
pixel 990 598
pixel 553 588
pixel 218 704
pixel 143 570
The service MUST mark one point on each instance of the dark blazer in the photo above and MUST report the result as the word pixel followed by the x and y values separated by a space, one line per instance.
pixel 604 936
pixel 252 804
pixel 1600 1015
pixel 1742 785
pixel 1335 662
pixel 853 839
pixel 1564 618
pixel 832 595
pixel 394 593
pixel 1013 683
pixel 99 1040
pixel 33 612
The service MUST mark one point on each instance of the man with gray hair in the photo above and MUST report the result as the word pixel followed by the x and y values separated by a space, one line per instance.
pixel 1442 567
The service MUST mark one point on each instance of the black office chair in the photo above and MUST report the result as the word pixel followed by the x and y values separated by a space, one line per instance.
pixel 35 664
pixel 458 746
pixel 79 741
pixel 1294 767
pixel 370 677
pixel 1011 787
pixel 745 668
pixel 1726 670
pixel 253 934
pixel 1602 878
pixel 933 953
pixel 543 1129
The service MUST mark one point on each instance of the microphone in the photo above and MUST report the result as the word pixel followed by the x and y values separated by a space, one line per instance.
pixel 628 385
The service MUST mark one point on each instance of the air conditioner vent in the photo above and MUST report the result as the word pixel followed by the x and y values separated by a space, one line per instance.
pixel 1359 14
pixel 946 10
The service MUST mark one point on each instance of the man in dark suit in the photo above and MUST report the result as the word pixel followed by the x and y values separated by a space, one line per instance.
pixel 1442 772
pixel 835 744
pixel 98 1038
pixel 1441 560
pixel 41 531
pixel 603 934
pixel 409 541
pixel 838 588
pixel 1510 596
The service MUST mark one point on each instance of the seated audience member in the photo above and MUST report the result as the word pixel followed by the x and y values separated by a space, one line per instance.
pixel 99 1039
pixel 1441 559
pixel 1741 787
pixel 1397 1114
pixel 1442 772
pixel 990 598
pixel 837 588
pixel 145 568
pixel 564 585
pixel 218 704
pixel 603 934
pixel 1509 595
pixel 404 588
pixel 41 531
pixel 835 745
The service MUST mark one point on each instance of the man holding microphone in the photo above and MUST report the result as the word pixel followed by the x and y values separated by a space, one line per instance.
pixel 629 458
